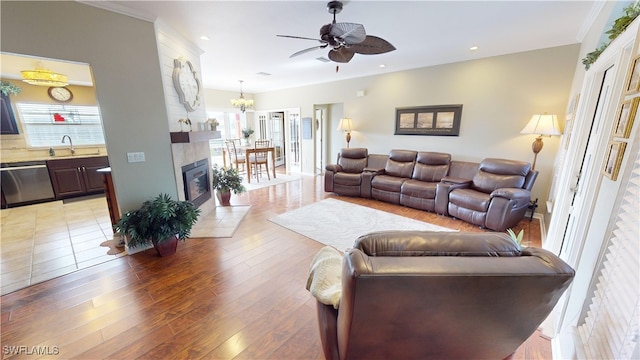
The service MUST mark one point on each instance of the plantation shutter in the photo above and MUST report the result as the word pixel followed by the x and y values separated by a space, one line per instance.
pixel 610 329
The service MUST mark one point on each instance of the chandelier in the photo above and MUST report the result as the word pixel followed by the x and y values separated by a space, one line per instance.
pixel 43 77
pixel 242 103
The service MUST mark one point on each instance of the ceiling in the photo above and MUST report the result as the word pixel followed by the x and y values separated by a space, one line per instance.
pixel 243 45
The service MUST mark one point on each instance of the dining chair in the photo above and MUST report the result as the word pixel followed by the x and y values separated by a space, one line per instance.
pixel 236 156
pixel 262 143
pixel 238 144
pixel 259 157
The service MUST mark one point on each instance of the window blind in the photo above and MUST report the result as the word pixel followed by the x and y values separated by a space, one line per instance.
pixel 610 328
pixel 44 125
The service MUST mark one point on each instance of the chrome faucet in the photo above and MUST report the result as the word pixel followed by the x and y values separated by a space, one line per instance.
pixel 73 151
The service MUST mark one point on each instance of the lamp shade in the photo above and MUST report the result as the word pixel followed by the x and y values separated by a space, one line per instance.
pixel 345 124
pixel 544 124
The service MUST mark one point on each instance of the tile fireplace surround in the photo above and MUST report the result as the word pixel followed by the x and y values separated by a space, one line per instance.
pixel 187 153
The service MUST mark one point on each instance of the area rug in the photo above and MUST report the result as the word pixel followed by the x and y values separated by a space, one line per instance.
pixel 339 223
pixel 264 181
pixel 222 222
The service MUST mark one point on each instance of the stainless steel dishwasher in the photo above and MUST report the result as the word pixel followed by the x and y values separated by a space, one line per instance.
pixel 26 182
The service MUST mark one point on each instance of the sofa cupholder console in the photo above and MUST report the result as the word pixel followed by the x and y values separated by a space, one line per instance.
pixel 492 194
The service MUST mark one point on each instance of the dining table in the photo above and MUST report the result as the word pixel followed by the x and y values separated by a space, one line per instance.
pixel 250 150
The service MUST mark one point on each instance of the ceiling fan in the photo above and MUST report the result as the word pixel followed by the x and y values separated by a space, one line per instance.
pixel 345 39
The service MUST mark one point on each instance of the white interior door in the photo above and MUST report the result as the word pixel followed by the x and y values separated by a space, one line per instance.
pixel 319 139
pixel 586 198
pixel 293 133
pixel 276 134
pixel 582 178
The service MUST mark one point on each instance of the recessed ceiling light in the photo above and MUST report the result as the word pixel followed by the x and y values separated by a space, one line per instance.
pixel 262 73
pixel 382 66
pixel 204 37
pixel 323 59
pixel 473 48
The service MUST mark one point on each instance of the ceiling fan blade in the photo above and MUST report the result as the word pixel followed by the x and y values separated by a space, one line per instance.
pixel 372 45
pixel 349 32
pixel 300 37
pixel 308 50
pixel 341 55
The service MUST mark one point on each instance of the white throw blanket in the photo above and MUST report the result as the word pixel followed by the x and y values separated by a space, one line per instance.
pixel 325 276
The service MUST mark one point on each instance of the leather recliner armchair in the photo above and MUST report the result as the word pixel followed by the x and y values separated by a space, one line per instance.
pixel 419 192
pixel 399 168
pixel 497 197
pixel 345 177
pixel 440 295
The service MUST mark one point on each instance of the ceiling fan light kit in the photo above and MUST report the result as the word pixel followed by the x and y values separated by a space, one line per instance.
pixel 345 39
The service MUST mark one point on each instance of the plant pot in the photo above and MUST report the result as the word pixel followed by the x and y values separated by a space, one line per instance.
pixel 166 247
pixel 224 197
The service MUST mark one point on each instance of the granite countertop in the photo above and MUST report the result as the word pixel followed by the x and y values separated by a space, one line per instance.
pixel 48 158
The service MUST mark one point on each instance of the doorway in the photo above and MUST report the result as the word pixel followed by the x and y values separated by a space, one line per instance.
pixel 576 193
pixel 276 129
pixel 320 122
pixel 271 127
pixel 282 127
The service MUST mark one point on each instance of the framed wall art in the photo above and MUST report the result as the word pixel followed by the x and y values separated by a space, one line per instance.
pixel 613 160
pixel 440 120
pixel 633 77
pixel 626 115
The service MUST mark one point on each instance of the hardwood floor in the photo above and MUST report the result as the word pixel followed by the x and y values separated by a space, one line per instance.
pixel 226 298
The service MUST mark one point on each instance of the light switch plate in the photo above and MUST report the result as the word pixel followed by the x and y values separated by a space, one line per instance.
pixel 134 157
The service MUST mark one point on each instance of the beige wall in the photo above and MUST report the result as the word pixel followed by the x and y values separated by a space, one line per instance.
pixel 14 147
pixel 123 54
pixel 499 95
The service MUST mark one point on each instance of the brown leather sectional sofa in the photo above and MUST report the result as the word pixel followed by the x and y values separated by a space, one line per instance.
pixel 492 194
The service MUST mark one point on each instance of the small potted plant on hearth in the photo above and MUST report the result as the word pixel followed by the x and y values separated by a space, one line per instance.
pixel 161 221
pixel 224 181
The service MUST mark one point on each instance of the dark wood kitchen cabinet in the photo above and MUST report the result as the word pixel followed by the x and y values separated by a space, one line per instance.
pixel 77 176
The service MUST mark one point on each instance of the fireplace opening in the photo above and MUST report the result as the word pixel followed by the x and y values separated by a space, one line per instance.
pixel 197 188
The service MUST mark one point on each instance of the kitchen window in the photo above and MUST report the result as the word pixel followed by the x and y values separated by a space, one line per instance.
pixel 44 125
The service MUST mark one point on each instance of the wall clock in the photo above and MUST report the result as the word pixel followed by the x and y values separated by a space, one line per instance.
pixel 61 94
pixel 187 85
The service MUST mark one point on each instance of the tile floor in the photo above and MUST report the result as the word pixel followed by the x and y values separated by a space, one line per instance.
pixel 43 241
pixel 222 222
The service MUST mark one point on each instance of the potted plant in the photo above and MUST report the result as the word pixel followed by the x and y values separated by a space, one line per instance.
pixel 161 222
pixel 224 181
pixel 516 238
pixel 7 88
